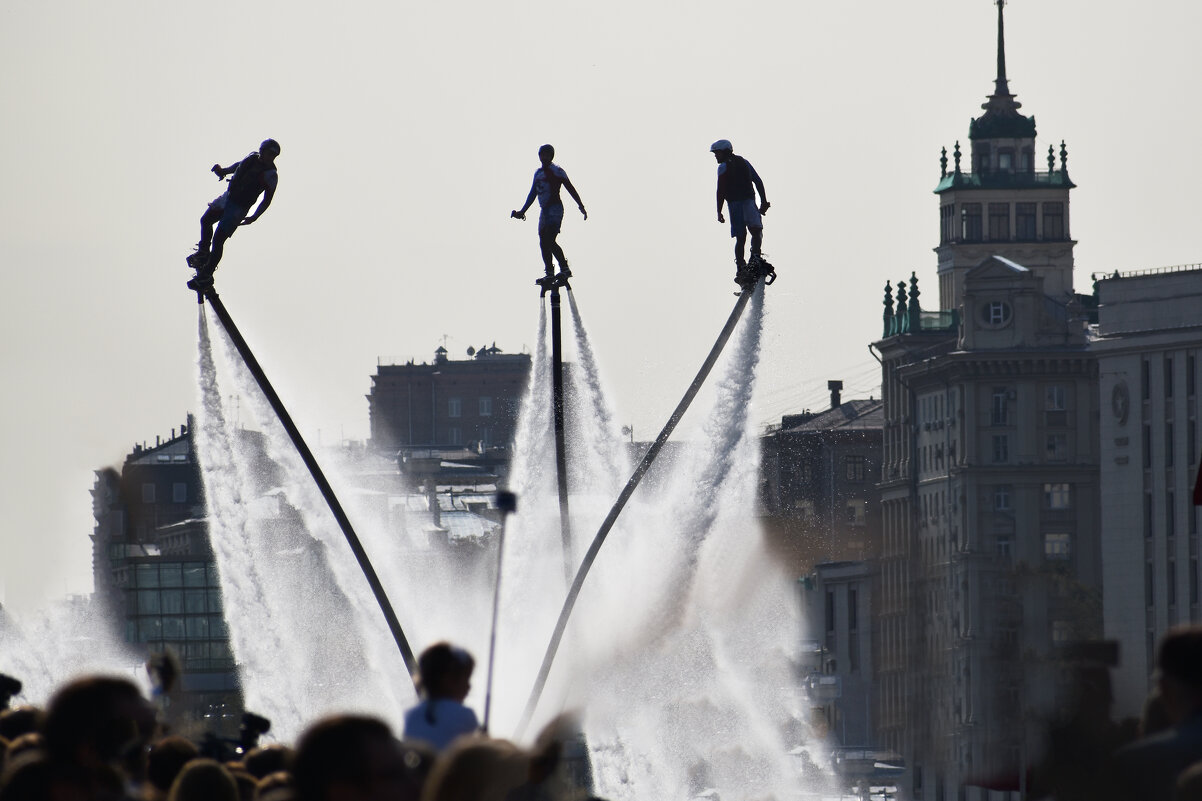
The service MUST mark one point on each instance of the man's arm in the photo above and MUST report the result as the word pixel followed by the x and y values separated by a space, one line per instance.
pixel 265 202
pixel 575 196
pixel 224 171
pixel 759 185
pixel 521 213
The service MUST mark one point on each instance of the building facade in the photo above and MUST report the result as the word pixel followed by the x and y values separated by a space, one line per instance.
pixel 448 403
pixel 1148 347
pixel 154 570
pixel 990 563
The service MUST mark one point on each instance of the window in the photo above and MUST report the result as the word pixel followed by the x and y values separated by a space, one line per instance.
pixel 830 612
pixel 1001 448
pixel 854 465
pixel 1056 546
pixel 1053 222
pixel 1057 450
pixel 1055 405
pixel 1000 413
pixel 486 407
pixel 454 407
pixel 1004 545
pixel 1171 582
pixel 1190 377
pixel 1058 496
pixel 1193 580
pixel 455 437
pixel 856 510
pixel 1062 631
pixel 1024 222
pixel 1168 444
pixel 995 313
pixel 970 222
pixel 852 611
pixel 1168 376
pixel 1001 498
pixel 1170 514
pixel 999 222
pixel 1005 160
pixel 1149 519
pixel 947 223
pixel 1147 446
pixel 1145 379
pixel 179 492
pixel 148 493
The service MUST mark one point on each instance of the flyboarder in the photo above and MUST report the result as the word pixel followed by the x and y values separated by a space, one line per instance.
pixel 547 180
pixel 253 176
pixel 736 179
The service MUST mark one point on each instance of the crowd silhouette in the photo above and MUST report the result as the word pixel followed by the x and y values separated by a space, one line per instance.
pixel 100 739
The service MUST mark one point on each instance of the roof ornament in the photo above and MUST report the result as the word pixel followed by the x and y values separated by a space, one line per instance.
pixel 888 303
pixel 1063 157
pixel 956 154
pixel 943 163
pixel 1002 85
pixel 1051 159
pixel 915 311
pixel 900 318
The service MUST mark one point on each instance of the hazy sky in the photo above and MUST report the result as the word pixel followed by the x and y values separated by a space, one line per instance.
pixel 409 130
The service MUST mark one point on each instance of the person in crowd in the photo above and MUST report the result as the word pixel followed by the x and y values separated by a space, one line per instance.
pixel 164 761
pixel 352 758
pixel 1149 767
pixel 204 779
pixel 445 677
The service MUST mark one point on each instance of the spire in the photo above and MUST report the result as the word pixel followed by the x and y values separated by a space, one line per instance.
pixel 1002 88
pixel 1001 118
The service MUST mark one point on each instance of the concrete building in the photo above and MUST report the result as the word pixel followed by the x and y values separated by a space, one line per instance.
pixel 1148 348
pixel 990 556
pixel 819 476
pixel 448 402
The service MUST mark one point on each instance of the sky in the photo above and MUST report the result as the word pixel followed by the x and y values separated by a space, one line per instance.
pixel 408 133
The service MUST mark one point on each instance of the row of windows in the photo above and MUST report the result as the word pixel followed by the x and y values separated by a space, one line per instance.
pixel 1191 443
pixel 855 469
pixel 1170 515
pixel 1170 582
pixel 1055 405
pixel 179 492
pixel 971 225
pixel 175 574
pixel 153 629
pixel 1055 448
pixel 173 602
pixel 455 407
pixel 1190 377
pixel 1056 497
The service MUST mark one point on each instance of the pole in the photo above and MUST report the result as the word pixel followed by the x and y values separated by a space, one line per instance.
pixel 561 462
pixel 507 502
pixel 327 491
pixel 620 503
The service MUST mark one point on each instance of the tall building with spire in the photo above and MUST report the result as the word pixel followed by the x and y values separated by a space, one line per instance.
pixel 990 572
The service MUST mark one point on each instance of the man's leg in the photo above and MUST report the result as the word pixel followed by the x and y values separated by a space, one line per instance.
pixel 757 239
pixel 740 245
pixel 211 217
pixel 557 251
pixel 546 244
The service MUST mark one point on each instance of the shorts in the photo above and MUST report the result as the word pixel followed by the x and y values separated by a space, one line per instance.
pixel 550 219
pixel 743 214
pixel 231 216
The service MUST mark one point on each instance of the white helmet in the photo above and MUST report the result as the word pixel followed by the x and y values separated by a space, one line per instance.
pixel 721 144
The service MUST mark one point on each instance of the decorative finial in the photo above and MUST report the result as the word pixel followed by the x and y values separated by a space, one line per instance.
pixel 914 310
pixel 943 164
pixel 1063 157
pixel 888 315
pixel 956 155
pixel 1051 159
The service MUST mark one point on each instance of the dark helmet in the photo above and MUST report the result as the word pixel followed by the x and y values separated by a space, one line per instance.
pixel 546 149
pixel 270 144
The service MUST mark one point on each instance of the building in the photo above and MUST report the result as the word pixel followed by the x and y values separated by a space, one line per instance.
pixel 990 555
pixel 447 403
pixel 1149 343
pixel 819 475
pixel 154 569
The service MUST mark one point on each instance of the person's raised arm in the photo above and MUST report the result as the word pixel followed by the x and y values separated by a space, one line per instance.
pixel 575 196
pixel 224 171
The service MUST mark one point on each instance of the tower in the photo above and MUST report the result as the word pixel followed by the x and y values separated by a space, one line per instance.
pixel 1003 206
